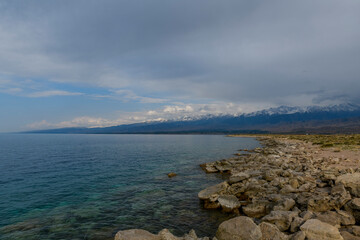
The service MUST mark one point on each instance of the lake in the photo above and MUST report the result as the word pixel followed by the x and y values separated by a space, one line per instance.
pixel 90 186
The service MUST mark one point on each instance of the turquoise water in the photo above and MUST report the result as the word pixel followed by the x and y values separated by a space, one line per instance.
pixel 91 186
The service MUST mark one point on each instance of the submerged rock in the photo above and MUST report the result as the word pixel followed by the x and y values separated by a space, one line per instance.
pixel 172 174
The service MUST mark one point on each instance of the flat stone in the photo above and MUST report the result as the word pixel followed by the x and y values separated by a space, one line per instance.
pixel 238 177
pixel 217 189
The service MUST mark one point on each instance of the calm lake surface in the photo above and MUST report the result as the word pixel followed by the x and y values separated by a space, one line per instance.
pixel 91 186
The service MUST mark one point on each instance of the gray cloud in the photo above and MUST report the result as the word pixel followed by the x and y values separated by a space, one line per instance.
pixel 281 52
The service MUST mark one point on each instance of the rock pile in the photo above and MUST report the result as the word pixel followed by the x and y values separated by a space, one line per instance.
pixel 289 190
pixel 285 190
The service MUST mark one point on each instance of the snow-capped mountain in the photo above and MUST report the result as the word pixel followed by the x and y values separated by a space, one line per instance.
pixel 321 119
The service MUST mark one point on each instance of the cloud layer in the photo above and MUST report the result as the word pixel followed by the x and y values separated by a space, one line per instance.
pixel 251 52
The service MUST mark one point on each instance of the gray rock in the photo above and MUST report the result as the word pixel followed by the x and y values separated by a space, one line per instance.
pixel 316 230
pixel 239 228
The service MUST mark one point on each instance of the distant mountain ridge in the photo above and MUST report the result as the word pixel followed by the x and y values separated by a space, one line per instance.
pixel 344 118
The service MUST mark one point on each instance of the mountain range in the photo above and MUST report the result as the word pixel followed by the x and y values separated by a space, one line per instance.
pixel 343 118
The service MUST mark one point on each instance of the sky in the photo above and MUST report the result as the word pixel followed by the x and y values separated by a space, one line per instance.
pixel 70 63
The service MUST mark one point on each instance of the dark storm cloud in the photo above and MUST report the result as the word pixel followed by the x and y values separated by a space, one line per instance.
pixel 242 51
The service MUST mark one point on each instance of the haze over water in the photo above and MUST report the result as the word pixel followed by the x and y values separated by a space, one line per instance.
pixel 90 186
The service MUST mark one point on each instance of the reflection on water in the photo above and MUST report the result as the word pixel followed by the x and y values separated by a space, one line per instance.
pixel 90 186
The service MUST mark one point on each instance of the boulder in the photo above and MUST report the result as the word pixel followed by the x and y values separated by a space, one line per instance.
pixel 271 232
pixel 351 182
pixel 315 229
pixel 136 234
pixel 229 203
pixel 239 228
pixel 282 219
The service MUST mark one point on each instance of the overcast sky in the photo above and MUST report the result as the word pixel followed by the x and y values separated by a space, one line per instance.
pixel 100 63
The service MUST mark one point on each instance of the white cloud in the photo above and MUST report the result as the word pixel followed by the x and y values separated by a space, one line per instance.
pixel 51 93
pixel 83 121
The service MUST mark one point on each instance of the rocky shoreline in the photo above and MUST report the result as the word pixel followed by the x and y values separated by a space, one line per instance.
pixel 289 189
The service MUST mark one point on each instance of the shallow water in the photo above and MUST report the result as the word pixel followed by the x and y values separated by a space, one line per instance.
pixel 91 186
